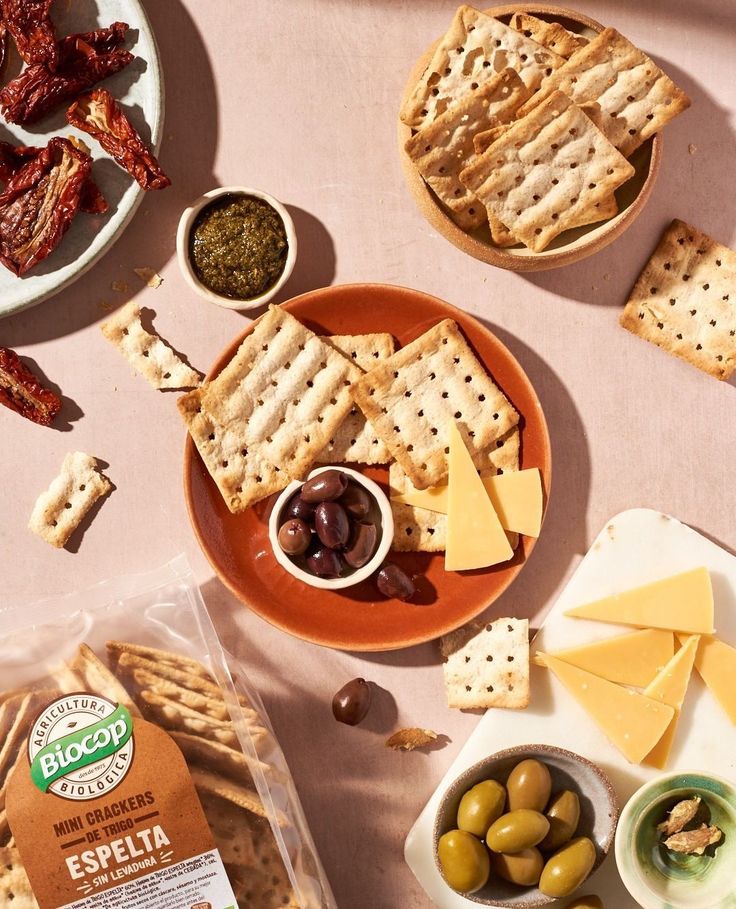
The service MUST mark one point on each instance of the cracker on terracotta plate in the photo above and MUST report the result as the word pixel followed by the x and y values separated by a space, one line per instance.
pixel 486 664
pixel 549 172
pixel 552 35
pixel 444 147
pixel 473 50
pixel 147 353
pixel 411 398
pixel 62 508
pixel 354 440
pixel 265 419
pixel 633 98
pixel 685 300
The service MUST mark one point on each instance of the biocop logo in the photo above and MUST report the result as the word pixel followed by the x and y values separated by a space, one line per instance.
pixel 81 746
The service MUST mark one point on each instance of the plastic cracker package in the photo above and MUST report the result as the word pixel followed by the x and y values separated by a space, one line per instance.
pixel 137 768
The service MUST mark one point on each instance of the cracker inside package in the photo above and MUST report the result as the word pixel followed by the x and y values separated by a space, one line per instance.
pixel 685 300
pixel 110 795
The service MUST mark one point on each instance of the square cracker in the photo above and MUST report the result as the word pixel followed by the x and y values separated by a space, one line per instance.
pixel 355 440
pixel 549 34
pixel 62 508
pixel 550 171
pixel 444 147
pixel 487 664
pixel 473 50
pixel 265 419
pixel 267 885
pixel 420 530
pixel 147 353
pixel 685 300
pixel 411 398
pixel 633 98
pixel 15 888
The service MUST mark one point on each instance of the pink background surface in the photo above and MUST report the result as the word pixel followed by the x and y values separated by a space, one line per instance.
pixel 300 99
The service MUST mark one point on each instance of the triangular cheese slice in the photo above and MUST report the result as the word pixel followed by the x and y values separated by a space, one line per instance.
pixel 670 687
pixel 475 538
pixel 516 496
pixel 632 722
pixel 628 659
pixel 682 602
pixel 716 664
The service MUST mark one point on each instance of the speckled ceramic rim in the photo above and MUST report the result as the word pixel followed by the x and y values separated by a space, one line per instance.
pixel 522 752
pixel 627 859
pixel 185 263
pixel 387 532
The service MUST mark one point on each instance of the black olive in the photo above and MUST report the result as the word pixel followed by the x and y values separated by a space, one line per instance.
pixel 294 537
pixel 352 702
pixel 325 487
pixel 332 524
pixel 362 544
pixel 395 583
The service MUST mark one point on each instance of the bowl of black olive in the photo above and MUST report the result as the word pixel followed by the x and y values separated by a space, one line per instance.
pixel 333 530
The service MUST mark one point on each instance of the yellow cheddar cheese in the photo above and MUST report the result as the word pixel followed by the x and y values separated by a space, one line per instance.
pixel 716 664
pixel 670 687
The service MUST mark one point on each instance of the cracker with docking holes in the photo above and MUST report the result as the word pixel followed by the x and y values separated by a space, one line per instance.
pixel 685 300
pixel 354 440
pixel 487 664
pixel 266 886
pixel 265 419
pixel 444 147
pixel 15 888
pixel 97 677
pixel 633 97
pixel 473 50
pixel 549 172
pixel 147 353
pixel 552 35
pixel 411 398
pixel 116 650
pixel 62 508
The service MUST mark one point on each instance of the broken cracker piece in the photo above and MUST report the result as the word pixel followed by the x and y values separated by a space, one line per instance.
pixel 410 739
pixel 549 34
pixel 149 276
pixel 61 509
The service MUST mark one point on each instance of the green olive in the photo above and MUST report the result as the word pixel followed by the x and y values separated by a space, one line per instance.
pixel 563 815
pixel 568 868
pixel 464 861
pixel 517 830
pixel 586 902
pixel 524 868
pixel 480 807
pixel 529 786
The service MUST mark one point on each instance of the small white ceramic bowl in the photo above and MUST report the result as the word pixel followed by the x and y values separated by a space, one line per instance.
pixel 185 263
pixel 386 532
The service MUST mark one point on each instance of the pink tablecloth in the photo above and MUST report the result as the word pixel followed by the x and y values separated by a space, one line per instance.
pixel 300 98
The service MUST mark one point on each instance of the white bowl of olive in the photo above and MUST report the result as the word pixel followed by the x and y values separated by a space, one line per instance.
pixel 525 827
pixel 236 247
pixel 334 530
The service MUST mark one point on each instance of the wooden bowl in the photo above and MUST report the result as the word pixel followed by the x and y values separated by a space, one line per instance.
pixel 571 246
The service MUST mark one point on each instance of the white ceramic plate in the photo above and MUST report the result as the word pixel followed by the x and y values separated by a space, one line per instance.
pixel 634 548
pixel 140 89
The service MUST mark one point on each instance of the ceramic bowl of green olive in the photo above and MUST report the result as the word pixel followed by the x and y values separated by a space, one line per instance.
pixel 525 827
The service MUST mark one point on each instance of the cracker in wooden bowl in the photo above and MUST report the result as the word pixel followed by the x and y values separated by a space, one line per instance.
pixel 633 97
pixel 685 300
pixel 411 398
pixel 549 172
pixel 474 49
pixel 552 35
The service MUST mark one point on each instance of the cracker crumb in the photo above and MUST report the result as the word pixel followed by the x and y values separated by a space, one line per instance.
pixel 149 276
pixel 106 307
pixel 119 287
pixel 410 739
pixel 692 148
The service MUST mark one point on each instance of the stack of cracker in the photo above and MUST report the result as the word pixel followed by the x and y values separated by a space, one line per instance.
pixel 541 146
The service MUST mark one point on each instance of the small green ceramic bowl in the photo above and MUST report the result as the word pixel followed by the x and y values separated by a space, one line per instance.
pixel 660 879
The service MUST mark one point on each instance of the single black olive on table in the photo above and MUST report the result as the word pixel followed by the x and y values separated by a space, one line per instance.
pixel 325 487
pixel 352 702
pixel 362 544
pixel 295 537
pixel 332 524
pixel 325 563
pixel 395 583
pixel 356 501
pixel 300 508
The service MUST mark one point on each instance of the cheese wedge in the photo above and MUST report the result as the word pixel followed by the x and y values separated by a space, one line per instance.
pixel 682 602
pixel 632 722
pixel 670 687
pixel 475 538
pixel 516 496
pixel 716 664
pixel 628 659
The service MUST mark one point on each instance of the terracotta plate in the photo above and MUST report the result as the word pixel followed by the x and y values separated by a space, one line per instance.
pixel 358 618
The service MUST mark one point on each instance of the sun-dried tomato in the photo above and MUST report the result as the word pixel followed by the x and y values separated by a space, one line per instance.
pixel 39 203
pixel 3 44
pixel 22 392
pixel 29 23
pixel 84 60
pixel 98 114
